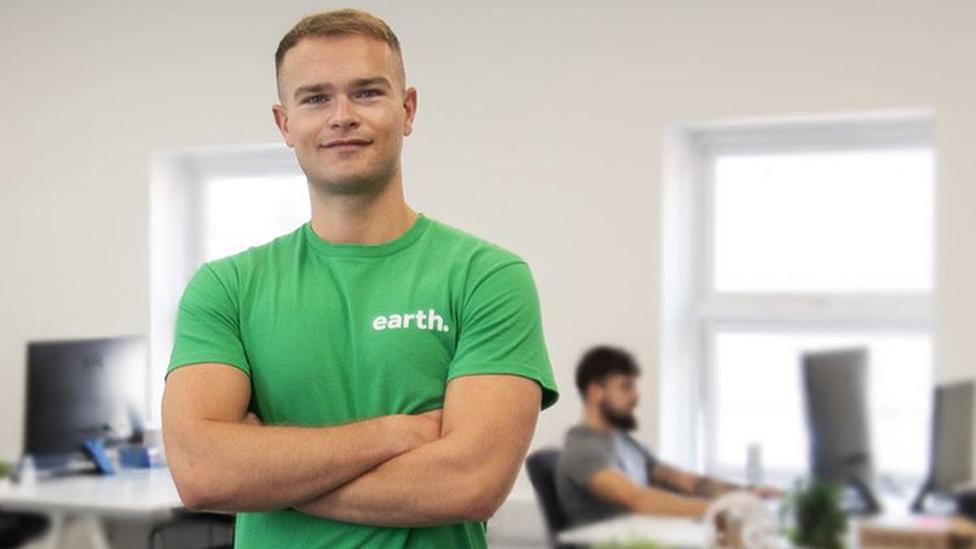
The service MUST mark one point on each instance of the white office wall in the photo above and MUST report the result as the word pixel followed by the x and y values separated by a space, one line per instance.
pixel 541 126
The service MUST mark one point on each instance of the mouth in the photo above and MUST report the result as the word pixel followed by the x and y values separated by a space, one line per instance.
pixel 344 145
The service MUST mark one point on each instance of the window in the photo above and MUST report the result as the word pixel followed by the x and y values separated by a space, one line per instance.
pixel 209 204
pixel 758 371
pixel 807 237
pixel 844 221
pixel 240 212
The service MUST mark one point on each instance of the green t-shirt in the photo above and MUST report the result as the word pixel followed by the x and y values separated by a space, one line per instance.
pixel 332 333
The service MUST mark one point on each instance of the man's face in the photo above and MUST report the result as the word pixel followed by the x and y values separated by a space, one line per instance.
pixel 345 112
pixel 618 397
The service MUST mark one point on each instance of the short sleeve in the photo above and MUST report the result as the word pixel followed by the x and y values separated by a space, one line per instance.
pixel 207 325
pixel 583 458
pixel 501 331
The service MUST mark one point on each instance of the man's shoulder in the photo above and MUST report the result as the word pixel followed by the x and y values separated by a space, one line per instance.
pixel 583 438
pixel 476 258
pixel 582 431
pixel 586 452
pixel 469 245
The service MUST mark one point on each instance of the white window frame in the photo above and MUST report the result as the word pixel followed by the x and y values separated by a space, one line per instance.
pixel 177 194
pixel 708 312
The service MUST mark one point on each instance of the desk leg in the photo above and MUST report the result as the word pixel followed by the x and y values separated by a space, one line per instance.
pixel 96 532
pixel 56 533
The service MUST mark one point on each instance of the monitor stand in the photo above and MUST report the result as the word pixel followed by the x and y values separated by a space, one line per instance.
pixel 918 504
pixel 91 460
pixel 867 502
pixel 95 450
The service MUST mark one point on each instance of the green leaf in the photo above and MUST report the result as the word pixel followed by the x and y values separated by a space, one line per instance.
pixel 818 520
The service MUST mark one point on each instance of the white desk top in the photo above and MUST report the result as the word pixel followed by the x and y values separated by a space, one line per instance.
pixel 673 532
pixel 130 493
pixel 677 532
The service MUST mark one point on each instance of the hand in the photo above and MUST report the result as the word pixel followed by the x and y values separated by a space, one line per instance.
pixel 728 530
pixel 416 430
pixel 252 419
pixel 767 492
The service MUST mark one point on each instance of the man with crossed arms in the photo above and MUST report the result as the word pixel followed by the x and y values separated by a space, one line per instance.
pixel 373 378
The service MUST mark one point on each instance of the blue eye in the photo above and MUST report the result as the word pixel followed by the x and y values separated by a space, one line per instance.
pixel 370 93
pixel 314 99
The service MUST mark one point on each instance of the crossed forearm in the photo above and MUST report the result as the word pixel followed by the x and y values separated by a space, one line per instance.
pixel 242 467
pixel 463 476
pixel 438 483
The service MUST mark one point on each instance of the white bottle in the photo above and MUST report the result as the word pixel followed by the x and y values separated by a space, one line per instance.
pixel 754 468
pixel 27 474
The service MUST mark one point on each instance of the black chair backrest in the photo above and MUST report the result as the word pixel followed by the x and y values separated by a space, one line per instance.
pixel 541 466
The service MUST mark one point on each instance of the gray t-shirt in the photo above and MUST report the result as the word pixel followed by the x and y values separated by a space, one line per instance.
pixel 588 451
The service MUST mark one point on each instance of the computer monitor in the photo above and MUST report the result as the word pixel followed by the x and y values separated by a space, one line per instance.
pixel 82 390
pixel 836 386
pixel 951 450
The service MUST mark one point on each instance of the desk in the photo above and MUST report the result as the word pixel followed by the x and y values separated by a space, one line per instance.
pixel 147 494
pixel 914 531
pixel 672 532
pixel 884 532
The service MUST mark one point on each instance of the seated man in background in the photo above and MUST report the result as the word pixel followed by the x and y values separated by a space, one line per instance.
pixel 604 472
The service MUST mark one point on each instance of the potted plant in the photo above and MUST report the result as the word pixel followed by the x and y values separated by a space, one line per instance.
pixel 5 471
pixel 818 520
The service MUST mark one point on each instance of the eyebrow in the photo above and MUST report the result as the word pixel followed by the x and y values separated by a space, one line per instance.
pixel 358 83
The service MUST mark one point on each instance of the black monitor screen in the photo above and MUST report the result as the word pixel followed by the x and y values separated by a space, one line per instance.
pixel 952 436
pixel 83 389
pixel 837 415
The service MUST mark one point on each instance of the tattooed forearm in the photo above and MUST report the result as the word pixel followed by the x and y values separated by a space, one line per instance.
pixel 708 488
pixel 668 482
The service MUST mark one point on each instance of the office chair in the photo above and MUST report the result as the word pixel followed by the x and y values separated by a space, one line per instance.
pixel 17 529
pixel 185 518
pixel 541 467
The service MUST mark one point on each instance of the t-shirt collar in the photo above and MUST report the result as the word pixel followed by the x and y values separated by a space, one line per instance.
pixel 367 250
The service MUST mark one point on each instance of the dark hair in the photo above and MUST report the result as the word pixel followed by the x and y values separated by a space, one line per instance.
pixel 600 362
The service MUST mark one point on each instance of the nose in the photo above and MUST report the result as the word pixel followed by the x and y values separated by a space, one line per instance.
pixel 344 116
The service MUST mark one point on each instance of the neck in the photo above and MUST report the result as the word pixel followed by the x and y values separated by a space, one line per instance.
pixel 594 419
pixel 361 219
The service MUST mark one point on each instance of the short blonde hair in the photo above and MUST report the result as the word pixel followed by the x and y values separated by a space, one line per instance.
pixel 339 23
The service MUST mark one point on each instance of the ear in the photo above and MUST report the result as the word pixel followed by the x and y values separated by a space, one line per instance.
pixel 594 392
pixel 281 120
pixel 410 110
